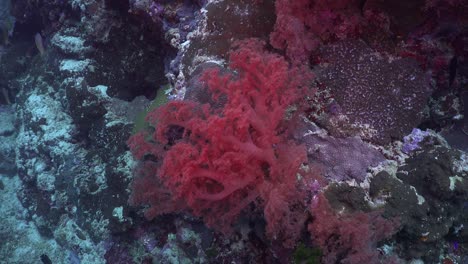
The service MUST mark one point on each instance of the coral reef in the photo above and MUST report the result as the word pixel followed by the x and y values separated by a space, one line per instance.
pixel 233 131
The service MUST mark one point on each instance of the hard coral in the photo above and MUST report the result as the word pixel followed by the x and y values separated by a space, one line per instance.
pixel 384 96
pixel 227 158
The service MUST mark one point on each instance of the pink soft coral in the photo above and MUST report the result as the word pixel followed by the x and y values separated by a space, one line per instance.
pixel 302 25
pixel 231 156
pixel 349 238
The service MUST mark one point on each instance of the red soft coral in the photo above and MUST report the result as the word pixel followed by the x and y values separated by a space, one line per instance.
pixel 349 239
pixel 231 156
pixel 302 25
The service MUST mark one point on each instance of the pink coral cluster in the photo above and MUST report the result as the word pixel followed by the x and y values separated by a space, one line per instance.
pixel 227 158
pixel 301 26
pixel 349 238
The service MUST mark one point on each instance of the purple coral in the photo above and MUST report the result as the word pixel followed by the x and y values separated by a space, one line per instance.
pixel 156 11
pixel 411 141
pixel 342 158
